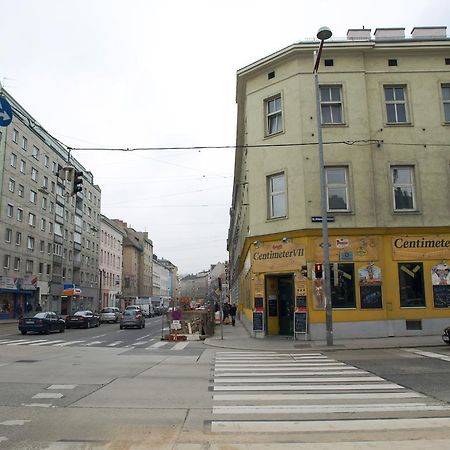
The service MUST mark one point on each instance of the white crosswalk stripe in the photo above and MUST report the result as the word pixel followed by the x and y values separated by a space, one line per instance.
pixel 285 393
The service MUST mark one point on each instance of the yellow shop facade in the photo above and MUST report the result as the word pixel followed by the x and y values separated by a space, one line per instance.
pixel 383 284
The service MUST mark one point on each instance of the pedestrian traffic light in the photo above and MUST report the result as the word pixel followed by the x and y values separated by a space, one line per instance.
pixel 318 270
pixel 77 182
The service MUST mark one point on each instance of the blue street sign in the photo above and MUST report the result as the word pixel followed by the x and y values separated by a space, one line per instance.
pixel 6 113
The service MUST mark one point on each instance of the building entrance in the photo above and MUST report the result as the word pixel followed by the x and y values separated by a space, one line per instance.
pixel 280 304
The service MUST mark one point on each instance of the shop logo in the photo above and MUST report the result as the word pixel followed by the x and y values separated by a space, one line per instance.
pixel 342 242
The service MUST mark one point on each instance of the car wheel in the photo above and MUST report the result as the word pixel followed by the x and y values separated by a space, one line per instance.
pixel 62 329
pixel 121 327
pixel 23 331
pixel 47 331
pixel 88 325
pixel 143 325
pixel 98 324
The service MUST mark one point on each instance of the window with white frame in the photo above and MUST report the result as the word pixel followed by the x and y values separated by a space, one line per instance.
pixel 446 101
pixel 44 203
pixel 19 215
pixel 42 246
pixel 6 261
pixel 396 104
pixel 33 196
pixel 276 188
pixel 11 185
pixel 274 115
pixel 23 166
pixel 8 235
pixel 17 264
pixel 35 152
pixel 34 174
pixel 29 266
pixel 336 179
pixel 45 182
pixel 13 160
pixel 46 160
pixel 15 136
pixel 18 238
pixel 32 219
pixel 21 190
pixel 403 190
pixel 331 105
pixel 50 227
pixel 9 210
pixel 30 243
pixel 43 224
pixel 41 268
pixel 24 143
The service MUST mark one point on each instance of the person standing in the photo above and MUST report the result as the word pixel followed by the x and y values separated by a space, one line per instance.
pixel 233 314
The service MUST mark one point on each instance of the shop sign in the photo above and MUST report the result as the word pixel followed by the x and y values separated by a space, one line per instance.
pixel 421 247
pixel 357 248
pixel 9 283
pixel 29 283
pixel 275 256
pixel 71 290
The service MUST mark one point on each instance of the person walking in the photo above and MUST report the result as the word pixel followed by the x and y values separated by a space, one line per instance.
pixel 226 313
pixel 233 314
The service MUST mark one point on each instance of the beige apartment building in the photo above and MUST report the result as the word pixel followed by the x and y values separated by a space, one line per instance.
pixel 49 239
pixel 110 263
pixel 385 113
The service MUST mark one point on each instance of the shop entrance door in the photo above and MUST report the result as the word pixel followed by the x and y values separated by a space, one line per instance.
pixel 286 304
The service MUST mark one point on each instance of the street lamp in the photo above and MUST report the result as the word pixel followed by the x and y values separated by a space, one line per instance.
pixel 323 34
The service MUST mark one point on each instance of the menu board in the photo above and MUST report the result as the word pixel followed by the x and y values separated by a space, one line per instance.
pixel 441 295
pixel 258 321
pixel 371 296
pixel 300 321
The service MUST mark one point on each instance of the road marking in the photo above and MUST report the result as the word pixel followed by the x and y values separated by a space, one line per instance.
pixel 63 386
pixel 64 344
pixel 25 342
pixel 428 354
pixel 270 370
pixel 293 364
pixel 291 373
pixel 48 342
pixel 337 396
pixel 310 387
pixel 157 345
pixel 100 335
pixel 48 395
pixel 326 409
pixel 298 379
pixel 180 345
pixel 142 343
pixel 142 337
pixel 3 438
pixel 38 405
pixel 288 426
pixel 13 423
pixel 93 343
pixel 113 344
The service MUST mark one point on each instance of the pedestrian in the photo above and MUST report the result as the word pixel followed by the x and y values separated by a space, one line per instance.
pixel 233 314
pixel 38 308
pixel 226 313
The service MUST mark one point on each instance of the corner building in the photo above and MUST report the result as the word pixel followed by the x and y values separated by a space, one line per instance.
pixel 385 115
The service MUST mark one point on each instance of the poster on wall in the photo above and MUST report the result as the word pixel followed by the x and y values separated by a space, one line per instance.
pixel 318 294
pixel 370 286
pixel 440 277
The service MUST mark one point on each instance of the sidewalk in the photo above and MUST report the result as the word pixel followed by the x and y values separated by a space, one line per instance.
pixel 238 338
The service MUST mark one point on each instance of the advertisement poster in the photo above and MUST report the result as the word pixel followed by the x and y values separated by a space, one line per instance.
pixel 370 286
pixel 440 278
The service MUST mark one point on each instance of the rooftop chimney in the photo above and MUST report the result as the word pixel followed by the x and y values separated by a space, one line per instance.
pixel 358 34
pixel 429 32
pixel 388 34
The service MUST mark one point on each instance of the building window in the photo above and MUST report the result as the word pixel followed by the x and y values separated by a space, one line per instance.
pixel 6 261
pixel 395 99
pixel 31 219
pixel 412 290
pixel 45 183
pixel 30 243
pixel 276 185
pixel 337 188
pixel 342 280
pixel 54 167
pixel 35 152
pixel 42 247
pixel 17 264
pixel 13 160
pixel 33 196
pixel 18 238
pixel 15 136
pixel 23 166
pixel 274 115
pixel 331 104
pixel 24 143
pixel 49 248
pixel 43 224
pixel 45 160
pixel 11 185
pixel 41 267
pixel 49 269
pixel 50 227
pixel 403 188
pixel 9 210
pixel 8 235
pixel 446 101
pixel 21 190
pixel 29 266
pixel 34 174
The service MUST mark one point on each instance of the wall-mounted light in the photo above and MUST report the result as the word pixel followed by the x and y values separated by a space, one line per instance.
pixel 256 243
pixel 284 240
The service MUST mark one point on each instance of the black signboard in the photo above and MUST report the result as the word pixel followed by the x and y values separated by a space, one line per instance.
pixel 315 219
pixel 371 296
pixel 441 295
pixel 300 301
pixel 300 319
pixel 273 307
pixel 258 321
pixel 259 302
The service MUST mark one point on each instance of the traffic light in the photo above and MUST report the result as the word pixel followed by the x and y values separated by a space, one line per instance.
pixel 318 270
pixel 77 182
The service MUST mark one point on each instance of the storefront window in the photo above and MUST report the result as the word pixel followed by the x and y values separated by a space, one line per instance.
pixel 440 278
pixel 342 277
pixel 410 276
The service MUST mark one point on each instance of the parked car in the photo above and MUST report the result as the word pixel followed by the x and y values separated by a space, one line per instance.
pixel 83 319
pixel 42 322
pixel 132 318
pixel 446 336
pixel 109 314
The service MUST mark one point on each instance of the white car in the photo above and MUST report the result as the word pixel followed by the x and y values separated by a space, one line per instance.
pixel 109 314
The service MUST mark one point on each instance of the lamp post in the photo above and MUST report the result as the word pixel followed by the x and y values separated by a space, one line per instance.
pixel 323 34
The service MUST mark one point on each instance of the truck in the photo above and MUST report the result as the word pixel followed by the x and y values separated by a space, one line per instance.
pixel 146 306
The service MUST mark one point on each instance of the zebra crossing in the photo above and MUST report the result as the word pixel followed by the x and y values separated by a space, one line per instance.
pixel 147 344
pixel 270 392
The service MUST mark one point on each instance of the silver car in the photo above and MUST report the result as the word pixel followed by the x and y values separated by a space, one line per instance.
pixel 132 318
pixel 109 314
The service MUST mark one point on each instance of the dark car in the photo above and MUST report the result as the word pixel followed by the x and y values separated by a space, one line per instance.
pixel 132 318
pixel 446 336
pixel 42 322
pixel 83 319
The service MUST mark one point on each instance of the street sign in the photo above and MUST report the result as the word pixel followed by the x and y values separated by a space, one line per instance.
pixel 316 219
pixel 6 113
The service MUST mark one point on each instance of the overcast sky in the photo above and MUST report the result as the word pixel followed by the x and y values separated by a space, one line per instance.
pixel 162 73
